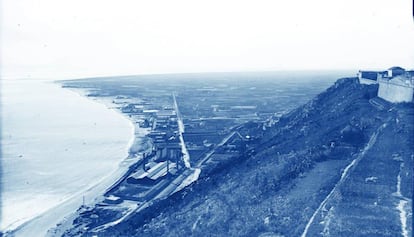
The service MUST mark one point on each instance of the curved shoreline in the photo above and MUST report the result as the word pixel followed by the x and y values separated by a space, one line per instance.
pixel 116 112
pixel 44 222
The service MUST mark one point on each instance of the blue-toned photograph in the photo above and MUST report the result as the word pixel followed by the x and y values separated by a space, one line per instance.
pixel 206 118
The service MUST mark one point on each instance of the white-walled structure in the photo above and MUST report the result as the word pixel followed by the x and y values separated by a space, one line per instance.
pixel 396 90
pixel 369 77
pixel 395 71
pixel 395 85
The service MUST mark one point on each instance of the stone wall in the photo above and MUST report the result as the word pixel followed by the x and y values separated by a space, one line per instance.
pixel 395 93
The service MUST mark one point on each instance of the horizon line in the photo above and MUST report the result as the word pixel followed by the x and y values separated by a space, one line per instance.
pixel 108 75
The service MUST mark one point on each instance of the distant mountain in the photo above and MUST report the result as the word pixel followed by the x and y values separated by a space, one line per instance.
pixel 340 165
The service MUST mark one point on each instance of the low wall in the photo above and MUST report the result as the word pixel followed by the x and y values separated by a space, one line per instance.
pixel 395 93
pixel 367 81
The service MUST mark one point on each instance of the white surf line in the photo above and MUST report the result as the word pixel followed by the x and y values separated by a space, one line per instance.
pixel 401 205
pixel 186 155
pixel 344 175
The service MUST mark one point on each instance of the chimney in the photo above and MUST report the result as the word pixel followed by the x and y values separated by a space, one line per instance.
pixel 144 161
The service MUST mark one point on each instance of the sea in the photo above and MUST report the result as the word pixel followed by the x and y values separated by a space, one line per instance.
pixel 56 145
pixel 59 148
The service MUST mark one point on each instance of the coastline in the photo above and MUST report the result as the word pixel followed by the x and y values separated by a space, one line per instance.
pixel 45 222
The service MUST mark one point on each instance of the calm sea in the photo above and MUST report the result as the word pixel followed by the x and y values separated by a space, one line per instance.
pixel 55 145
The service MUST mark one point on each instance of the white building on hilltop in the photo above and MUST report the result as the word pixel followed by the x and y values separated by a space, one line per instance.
pixel 395 71
pixel 398 89
pixel 395 85
pixel 370 77
pixel 398 86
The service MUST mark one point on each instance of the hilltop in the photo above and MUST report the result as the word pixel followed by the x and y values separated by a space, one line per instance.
pixel 340 165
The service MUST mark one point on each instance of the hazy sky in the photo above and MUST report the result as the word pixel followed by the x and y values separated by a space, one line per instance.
pixel 79 38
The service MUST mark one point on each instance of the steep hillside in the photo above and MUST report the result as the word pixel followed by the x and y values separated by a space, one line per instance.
pixel 341 165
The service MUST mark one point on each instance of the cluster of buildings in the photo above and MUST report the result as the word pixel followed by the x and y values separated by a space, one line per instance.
pixel 396 84
pixel 162 170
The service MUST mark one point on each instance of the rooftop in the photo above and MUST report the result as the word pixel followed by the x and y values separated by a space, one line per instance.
pixel 396 68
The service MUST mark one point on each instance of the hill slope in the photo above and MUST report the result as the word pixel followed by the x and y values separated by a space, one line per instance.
pixel 340 165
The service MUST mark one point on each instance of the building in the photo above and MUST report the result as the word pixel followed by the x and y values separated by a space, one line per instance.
pixel 395 85
pixel 111 199
pixel 369 77
pixel 373 77
pixel 168 151
pixel 410 74
pixel 397 89
pixel 395 71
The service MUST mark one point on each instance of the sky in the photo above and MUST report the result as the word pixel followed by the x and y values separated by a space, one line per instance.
pixel 82 38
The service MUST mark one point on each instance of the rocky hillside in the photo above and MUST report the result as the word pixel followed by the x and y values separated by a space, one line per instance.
pixel 340 165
